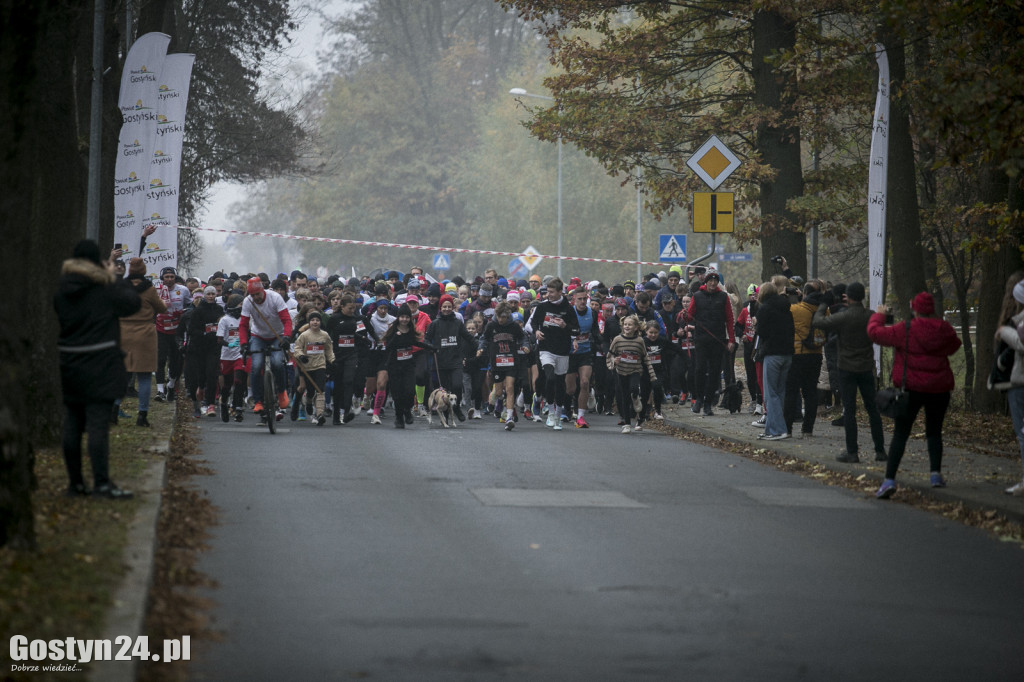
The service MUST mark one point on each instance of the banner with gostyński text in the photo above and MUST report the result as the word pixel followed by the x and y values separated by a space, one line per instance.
pixel 877 179
pixel 163 191
pixel 138 104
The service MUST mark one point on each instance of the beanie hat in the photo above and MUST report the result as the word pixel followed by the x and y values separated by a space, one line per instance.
pixel 136 268
pixel 434 289
pixel 234 301
pixel 923 303
pixel 413 283
pixel 446 299
pixel 1018 292
pixel 513 296
pixel 486 290
pixel 621 303
pixel 253 285
pixel 450 287
pixel 315 313
pixel 168 270
pixel 88 250
pixel 210 290
pixel 534 278
pixel 502 282
pixel 404 310
pixel 751 290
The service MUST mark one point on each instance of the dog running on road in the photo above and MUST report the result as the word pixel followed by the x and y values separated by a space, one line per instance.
pixel 443 402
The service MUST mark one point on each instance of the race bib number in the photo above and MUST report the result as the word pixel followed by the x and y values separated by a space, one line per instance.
pixel 655 358
pixel 629 357
pixel 550 320
pixel 504 361
pixel 360 327
pixel 449 341
pixel 211 327
pixel 403 353
pixel 314 349
pixel 346 341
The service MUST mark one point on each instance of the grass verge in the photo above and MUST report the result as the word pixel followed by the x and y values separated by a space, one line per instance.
pixel 63 588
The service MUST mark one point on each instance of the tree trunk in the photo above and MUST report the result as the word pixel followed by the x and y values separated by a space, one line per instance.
pixel 903 223
pixel 41 208
pixel 779 145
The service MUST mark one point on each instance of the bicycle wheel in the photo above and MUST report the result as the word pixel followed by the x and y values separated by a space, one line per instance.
pixel 269 397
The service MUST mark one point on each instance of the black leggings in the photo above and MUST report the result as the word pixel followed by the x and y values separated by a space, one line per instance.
pixel 344 373
pixel 628 388
pixel 554 386
pixel 935 406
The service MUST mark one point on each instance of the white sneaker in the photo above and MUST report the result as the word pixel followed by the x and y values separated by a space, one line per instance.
pixel 760 422
pixel 638 427
pixel 758 408
pixel 552 420
pixel 375 419
pixel 422 411
pixel 1016 490
pixel 626 429
pixel 658 416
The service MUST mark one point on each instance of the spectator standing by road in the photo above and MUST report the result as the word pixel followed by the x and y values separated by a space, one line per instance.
pixel 922 347
pixel 89 302
pixel 856 368
pixel 802 379
pixel 775 346
pixel 1010 330
pixel 138 335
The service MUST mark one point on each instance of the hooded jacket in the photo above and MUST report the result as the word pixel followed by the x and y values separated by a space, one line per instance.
pixel 453 342
pixel 89 302
pixel 1011 336
pixel 932 341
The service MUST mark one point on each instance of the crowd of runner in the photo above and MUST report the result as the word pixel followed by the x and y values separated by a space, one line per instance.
pixel 544 350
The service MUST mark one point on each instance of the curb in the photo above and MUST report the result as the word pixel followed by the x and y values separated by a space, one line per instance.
pixel 127 614
pixel 972 495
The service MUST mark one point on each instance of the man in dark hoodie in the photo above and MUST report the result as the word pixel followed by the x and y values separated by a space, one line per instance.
pixel 89 302
pixel 556 327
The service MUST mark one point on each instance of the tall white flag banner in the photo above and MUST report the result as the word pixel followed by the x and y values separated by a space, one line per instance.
pixel 164 175
pixel 877 179
pixel 138 103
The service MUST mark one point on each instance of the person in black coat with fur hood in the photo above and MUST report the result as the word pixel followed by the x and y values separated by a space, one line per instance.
pixel 89 302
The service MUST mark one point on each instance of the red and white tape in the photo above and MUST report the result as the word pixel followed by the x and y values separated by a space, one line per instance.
pixel 418 247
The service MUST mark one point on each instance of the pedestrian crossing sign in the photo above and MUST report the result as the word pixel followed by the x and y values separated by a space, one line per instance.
pixel 672 248
pixel 442 262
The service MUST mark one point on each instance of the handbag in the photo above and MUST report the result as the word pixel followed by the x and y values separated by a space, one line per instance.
pixel 894 401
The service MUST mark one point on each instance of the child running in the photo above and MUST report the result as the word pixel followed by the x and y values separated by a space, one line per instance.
pixel 627 357
pixel 314 350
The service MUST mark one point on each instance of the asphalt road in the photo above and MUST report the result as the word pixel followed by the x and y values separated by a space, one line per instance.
pixel 364 552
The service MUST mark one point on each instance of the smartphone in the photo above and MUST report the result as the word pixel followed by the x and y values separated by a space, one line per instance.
pixel 117 247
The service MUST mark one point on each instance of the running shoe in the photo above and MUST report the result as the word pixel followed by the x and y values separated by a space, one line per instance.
pixel 476 415
pixel 279 416
pixel 887 489
pixel 557 426
pixel 303 412
pixel 321 419
pixel 422 412
pixel 937 480
pixel 239 414
pixel 780 436
pixel 528 413
pixel 696 407
pixel 472 413
pixel 659 416
pixel 509 425
pixel 552 420
pixel 501 418
pixel 211 411
pixel 349 416
pixel 638 427
pixel 581 423
pixel 759 422
pixel 197 412
pixel 626 429
pixel 375 419
pixel 1015 490
pixel 282 400
pixel 161 397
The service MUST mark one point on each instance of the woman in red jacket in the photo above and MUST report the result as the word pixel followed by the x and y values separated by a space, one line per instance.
pixel 929 380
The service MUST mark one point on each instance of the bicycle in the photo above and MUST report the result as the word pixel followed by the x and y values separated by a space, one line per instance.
pixel 270 413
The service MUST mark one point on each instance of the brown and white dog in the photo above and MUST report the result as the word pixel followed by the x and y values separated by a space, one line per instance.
pixel 442 401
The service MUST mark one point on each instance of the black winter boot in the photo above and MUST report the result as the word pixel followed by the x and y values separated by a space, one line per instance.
pixel 142 420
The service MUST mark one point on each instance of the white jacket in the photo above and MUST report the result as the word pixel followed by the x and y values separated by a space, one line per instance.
pixel 1012 337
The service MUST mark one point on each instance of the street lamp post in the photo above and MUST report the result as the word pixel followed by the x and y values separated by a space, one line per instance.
pixel 520 92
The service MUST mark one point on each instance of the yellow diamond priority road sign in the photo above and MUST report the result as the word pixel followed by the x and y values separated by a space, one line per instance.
pixel 530 257
pixel 713 162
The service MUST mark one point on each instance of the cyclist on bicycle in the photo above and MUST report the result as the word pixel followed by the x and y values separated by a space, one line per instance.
pixel 264 328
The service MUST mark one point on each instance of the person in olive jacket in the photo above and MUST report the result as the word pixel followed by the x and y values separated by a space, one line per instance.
pixel 89 302
pixel 856 361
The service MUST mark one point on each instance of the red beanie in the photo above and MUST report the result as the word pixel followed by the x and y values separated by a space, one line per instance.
pixel 445 298
pixel 923 304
